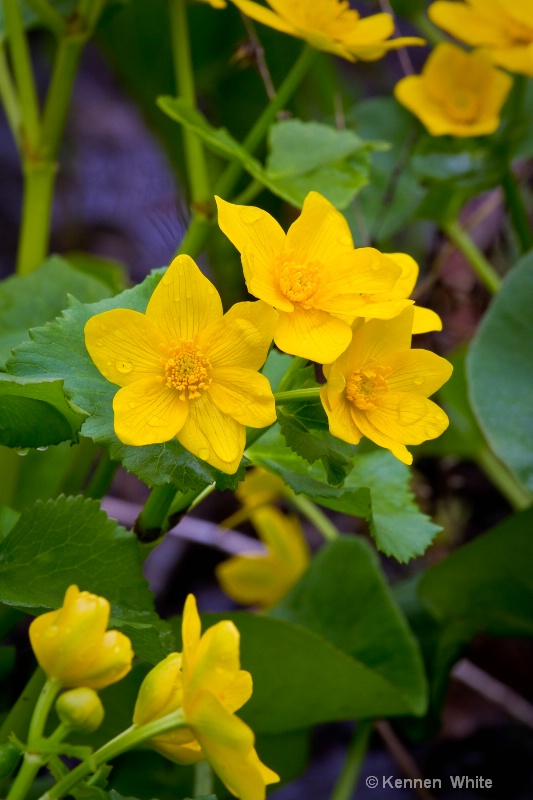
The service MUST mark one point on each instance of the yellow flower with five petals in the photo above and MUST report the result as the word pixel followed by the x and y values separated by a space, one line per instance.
pixel 263 579
pixel 457 93
pixel 206 681
pixel 504 28
pixel 73 647
pixel 331 26
pixel 379 388
pixel 312 275
pixel 186 370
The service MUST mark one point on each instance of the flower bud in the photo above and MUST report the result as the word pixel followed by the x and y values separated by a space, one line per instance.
pixel 81 709
pixel 73 647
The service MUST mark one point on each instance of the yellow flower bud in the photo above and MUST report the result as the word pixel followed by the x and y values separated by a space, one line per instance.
pixel 72 644
pixel 81 709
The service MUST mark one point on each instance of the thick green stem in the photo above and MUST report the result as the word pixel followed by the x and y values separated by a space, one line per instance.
pixel 124 741
pixel 18 719
pixel 517 210
pixel 151 521
pixel 297 395
pixel 102 477
pixel 518 497
pixel 203 779
pixel 196 236
pixel 22 68
pixel 39 180
pixel 194 151
pixel 313 513
pixel 48 15
pixel 9 99
pixel 60 91
pixel 347 782
pixel 483 269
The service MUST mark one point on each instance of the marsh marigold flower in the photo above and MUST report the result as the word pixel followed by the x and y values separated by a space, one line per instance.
pixel 503 27
pixel 312 275
pixel 330 25
pixel 73 647
pixel 458 93
pixel 206 681
pixel 262 580
pixel 379 388
pixel 186 370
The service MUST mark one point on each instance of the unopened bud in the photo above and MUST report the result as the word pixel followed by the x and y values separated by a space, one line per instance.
pixel 81 709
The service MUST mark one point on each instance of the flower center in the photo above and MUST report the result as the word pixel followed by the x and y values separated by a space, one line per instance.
pixel 186 369
pixel 463 105
pixel 299 282
pixel 365 388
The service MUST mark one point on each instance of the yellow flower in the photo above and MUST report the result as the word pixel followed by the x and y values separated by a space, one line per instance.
pixel 215 3
pixel 206 681
pixel 80 709
pixel 72 644
pixel 330 25
pixel 312 275
pixel 379 388
pixel 386 305
pixel 505 29
pixel 458 93
pixel 185 369
pixel 262 580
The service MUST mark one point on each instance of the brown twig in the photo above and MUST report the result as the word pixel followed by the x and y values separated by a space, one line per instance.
pixel 402 758
pixel 494 690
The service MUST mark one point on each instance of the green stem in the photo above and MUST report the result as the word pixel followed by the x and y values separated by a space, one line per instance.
pixel 8 97
pixel 18 719
pixel 151 521
pixel 517 210
pixel 196 236
pixel 297 395
pixel 313 513
pixel 347 782
pixel 102 477
pixel 203 779
pixel 33 761
pixel 483 269
pixel 126 740
pixel 428 30
pixel 22 68
pixel 60 90
pixel 199 183
pixel 39 180
pixel 48 15
pixel 518 497
pixel 250 193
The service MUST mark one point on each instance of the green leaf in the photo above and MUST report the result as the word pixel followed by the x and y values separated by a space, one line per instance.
pixel 71 540
pixel 58 352
pixel 486 585
pixel 377 489
pixel 27 301
pixel 500 373
pixel 36 414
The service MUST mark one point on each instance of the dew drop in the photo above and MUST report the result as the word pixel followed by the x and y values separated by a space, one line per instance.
pixel 132 405
pixel 204 453
pixel 23 451
pixel 211 289
pixel 123 366
pixel 346 240
pixel 188 294
pixel 42 449
pixel 166 279
pixel 109 363
pixel 250 215
pixel 154 421
pixel 177 298
pixel 418 381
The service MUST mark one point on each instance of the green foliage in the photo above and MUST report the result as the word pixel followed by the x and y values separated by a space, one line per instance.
pixel 58 352
pixel 377 489
pixel 30 18
pixel 500 373
pixel 70 540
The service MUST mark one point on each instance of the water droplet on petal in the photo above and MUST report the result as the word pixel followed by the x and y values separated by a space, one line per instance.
pixel 346 240
pixel 204 453
pixel 211 289
pixel 109 363
pixel 42 449
pixel 166 279
pixel 123 366
pixel 188 294
pixel 23 451
pixel 250 215
pixel 418 381
pixel 132 405
pixel 176 298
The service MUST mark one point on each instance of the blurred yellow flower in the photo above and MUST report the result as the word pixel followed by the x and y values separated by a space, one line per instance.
pixel 458 93
pixel 206 681
pixel 185 369
pixel 73 647
pixel 214 3
pixel 330 25
pixel 505 29
pixel 312 275
pixel 379 388
pixel 262 580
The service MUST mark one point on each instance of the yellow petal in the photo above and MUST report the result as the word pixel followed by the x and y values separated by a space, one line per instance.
pixel 124 345
pixel 252 579
pixel 465 24
pixel 261 316
pixel 406 282
pixel 260 240
pixel 191 629
pixel 244 395
pixel 412 93
pixel 386 310
pixel 364 270
pixel 264 15
pixel 312 334
pixel 234 342
pixel 160 692
pixel 375 435
pixel 113 662
pixel 381 338
pixel 408 418
pixel 184 302
pixel 213 436
pixel 515 59
pixel 426 320
pixel 180 746
pixel 148 412
pixel 341 422
pixel 418 371
pixel 370 30
pixel 283 536
pixel 320 233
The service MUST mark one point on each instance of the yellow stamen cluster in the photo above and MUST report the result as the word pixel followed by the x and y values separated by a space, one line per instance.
pixel 366 387
pixel 299 282
pixel 463 105
pixel 186 369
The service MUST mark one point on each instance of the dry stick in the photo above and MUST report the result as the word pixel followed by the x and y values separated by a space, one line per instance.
pixel 259 55
pixel 402 758
pixel 494 690
pixel 403 56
